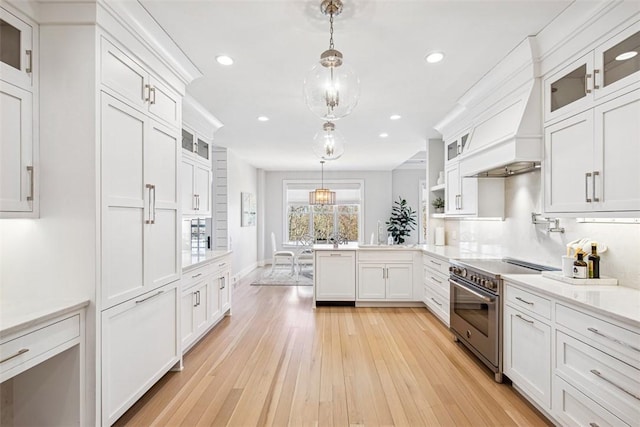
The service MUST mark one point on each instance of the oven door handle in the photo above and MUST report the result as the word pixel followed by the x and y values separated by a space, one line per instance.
pixel 471 291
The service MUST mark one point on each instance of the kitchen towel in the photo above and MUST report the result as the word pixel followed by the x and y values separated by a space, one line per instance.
pixel 439 236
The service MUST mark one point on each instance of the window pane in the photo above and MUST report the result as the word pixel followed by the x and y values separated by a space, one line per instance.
pixel 348 222
pixel 322 222
pixel 298 221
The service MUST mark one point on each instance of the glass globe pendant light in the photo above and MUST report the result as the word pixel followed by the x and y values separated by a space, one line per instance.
pixel 328 144
pixel 331 88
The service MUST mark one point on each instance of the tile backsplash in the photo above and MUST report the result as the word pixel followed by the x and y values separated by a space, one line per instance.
pixel 517 237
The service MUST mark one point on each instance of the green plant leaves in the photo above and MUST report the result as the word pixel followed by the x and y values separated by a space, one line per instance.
pixel 402 221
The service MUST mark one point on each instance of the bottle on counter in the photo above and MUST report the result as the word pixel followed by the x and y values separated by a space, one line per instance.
pixel 594 262
pixel 580 267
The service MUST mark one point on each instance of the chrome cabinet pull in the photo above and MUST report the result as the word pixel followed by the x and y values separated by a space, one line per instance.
pixel 436 263
pixel 593 186
pixel 595 74
pixel 602 377
pixel 31 183
pixel 610 338
pixel 153 189
pixel 195 295
pixel 152 204
pixel 335 254
pixel 526 320
pixel 147 97
pixel 586 83
pixel 29 68
pixel 13 356
pixel 223 282
pixel 152 90
pixel 524 301
pixel 436 280
pixel 461 201
pixel 586 187
pixel 436 302
pixel 593 425
pixel 149 297
pixel 197 275
pixel 222 265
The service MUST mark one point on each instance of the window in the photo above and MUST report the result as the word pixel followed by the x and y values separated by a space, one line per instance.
pixel 322 222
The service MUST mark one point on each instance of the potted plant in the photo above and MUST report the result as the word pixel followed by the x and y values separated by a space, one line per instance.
pixel 438 204
pixel 402 221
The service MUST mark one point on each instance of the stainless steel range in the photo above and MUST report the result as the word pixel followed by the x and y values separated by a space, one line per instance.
pixel 476 318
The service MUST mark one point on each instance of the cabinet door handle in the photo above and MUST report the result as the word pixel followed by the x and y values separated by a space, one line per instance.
pixel 223 282
pixel 335 254
pixel 593 185
pixel 29 68
pixel 195 297
pixel 436 280
pixel 152 90
pixel 152 204
pixel 149 297
pixel 436 263
pixel 593 425
pixel 196 275
pixel 586 187
pixel 595 81
pixel 153 190
pixel 222 265
pixel 147 97
pixel 436 302
pixel 31 183
pixel 461 201
pixel 602 377
pixel 198 201
pixel 586 83
pixel 526 320
pixel 13 356
pixel 524 301
pixel 610 338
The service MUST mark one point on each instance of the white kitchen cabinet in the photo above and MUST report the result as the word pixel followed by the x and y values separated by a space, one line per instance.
pixel 140 207
pixel 139 345
pixel 335 275
pixel 18 189
pixel 573 408
pixel 391 282
pixel 527 354
pixel 590 163
pixel 596 76
pixel 131 81
pixel 196 188
pixel 196 146
pixel 472 197
pixel 456 147
pixel 436 286
pixel 224 291
pixel 18 56
pixel 194 311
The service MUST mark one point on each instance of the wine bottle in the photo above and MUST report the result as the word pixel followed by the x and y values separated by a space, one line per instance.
pixel 579 268
pixel 594 262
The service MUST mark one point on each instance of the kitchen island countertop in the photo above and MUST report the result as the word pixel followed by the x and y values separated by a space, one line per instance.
pixel 190 260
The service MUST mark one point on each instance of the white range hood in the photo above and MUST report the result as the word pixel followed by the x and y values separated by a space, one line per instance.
pixel 504 114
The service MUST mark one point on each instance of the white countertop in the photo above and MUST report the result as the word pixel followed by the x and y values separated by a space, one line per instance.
pixel 617 302
pixel 329 247
pixel 190 260
pixel 19 315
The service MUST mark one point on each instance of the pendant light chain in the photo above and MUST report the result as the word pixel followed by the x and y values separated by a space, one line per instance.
pixel 331 30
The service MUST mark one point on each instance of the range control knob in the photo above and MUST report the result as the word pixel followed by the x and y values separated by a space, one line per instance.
pixel 463 272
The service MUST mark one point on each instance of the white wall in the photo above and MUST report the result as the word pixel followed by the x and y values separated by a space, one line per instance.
pixel 517 237
pixel 241 177
pixel 377 200
pixel 406 184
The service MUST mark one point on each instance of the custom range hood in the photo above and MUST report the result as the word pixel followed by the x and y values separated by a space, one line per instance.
pixel 502 116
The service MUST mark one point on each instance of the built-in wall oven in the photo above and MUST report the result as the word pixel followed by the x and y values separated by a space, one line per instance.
pixel 475 307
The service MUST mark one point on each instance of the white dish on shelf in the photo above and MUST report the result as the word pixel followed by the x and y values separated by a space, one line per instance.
pixel 557 275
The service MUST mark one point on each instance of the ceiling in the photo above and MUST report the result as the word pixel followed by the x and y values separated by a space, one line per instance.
pixel 275 43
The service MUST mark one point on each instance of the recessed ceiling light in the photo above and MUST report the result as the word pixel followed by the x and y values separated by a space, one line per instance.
pixel 384 135
pixel 224 60
pixel 263 118
pixel 626 55
pixel 395 117
pixel 434 57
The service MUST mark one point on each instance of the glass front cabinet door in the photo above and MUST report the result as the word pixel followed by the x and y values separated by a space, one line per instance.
pixel 619 62
pixel 16 54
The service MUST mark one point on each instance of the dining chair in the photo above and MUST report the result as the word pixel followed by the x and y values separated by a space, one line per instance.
pixel 304 254
pixel 287 256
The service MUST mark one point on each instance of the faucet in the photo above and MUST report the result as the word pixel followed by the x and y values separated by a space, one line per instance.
pixel 553 224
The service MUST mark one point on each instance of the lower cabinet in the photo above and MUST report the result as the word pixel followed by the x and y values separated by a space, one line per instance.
pixel 335 275
pixel 527 355
pixel 436 286
pixel 140 344
pixel 390 282
pixel 206 298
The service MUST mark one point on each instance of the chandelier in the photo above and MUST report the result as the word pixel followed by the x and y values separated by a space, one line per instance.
pixel 322 196
pixel 328 144
pixel 331 88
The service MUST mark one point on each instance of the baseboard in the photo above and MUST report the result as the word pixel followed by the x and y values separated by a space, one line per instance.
pixel 243 273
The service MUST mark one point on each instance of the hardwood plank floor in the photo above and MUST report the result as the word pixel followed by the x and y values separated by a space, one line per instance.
pixel 276 362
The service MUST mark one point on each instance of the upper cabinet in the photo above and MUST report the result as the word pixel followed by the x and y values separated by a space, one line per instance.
pixel 608 70
pixel 456 147
pixel 16 50
pixel 19 170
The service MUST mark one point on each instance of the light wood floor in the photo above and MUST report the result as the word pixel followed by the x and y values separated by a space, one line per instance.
pixel 276 361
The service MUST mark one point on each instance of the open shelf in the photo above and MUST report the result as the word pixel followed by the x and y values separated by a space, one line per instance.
pixel 437 187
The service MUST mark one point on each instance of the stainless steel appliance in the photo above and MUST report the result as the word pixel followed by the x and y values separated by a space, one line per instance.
pixel 475 308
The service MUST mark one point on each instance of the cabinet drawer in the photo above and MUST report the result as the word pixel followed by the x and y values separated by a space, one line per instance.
pixel 573 408
pixel 438 304
pixel 196 275
pixel 22 349
pixel 139 345
pixel 436 264
pixel 623 343
pixel 397 255
pixel 436 280
pixel 605 379
pixel 528 302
